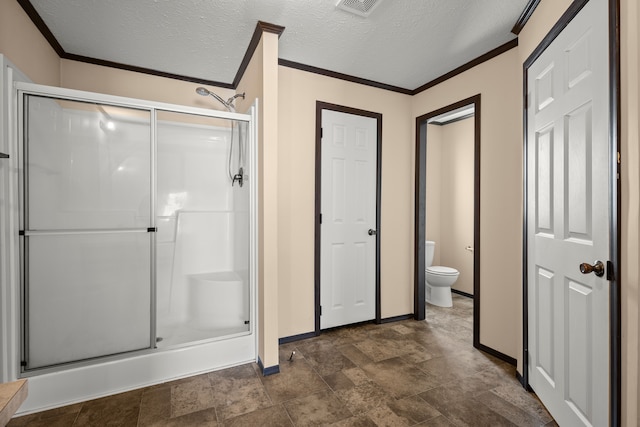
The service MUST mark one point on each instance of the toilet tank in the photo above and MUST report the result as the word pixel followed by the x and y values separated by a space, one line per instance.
pixel 429 248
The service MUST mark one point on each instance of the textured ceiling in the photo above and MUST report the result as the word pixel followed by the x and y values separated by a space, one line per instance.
pixel 403 43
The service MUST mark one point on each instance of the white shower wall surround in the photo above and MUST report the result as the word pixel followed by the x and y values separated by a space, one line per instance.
pixel 94 183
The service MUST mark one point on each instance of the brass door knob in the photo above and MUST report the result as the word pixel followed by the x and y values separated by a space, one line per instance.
pixel 597 268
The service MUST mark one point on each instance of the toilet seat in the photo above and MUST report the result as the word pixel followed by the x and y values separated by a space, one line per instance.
pixel 442 271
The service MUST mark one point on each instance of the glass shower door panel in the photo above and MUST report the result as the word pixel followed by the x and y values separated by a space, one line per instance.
pixel 88 166
pixel 88 296
pixel 87 215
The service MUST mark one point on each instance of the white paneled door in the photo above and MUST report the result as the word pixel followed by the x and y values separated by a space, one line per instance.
pixel 348 206
pixel 568 194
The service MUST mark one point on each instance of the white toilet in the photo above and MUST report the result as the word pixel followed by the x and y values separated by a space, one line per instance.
pixel 438 279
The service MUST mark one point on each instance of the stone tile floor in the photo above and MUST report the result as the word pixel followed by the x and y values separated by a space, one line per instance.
pixel 397 374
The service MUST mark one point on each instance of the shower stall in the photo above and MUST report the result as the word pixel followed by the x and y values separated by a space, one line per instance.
pixel 136 245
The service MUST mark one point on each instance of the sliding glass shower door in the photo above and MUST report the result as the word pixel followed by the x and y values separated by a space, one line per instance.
pixel 87 231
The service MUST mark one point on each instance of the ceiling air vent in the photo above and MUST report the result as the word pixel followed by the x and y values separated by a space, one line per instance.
pixel 358 7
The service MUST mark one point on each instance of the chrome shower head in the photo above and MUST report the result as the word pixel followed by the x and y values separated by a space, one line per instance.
pixel 206 92
pixel 228 103
pixel 203 91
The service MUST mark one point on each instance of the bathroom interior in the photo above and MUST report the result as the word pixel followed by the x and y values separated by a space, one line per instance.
pixel 450 206
pixel 295 162
pixel 136 227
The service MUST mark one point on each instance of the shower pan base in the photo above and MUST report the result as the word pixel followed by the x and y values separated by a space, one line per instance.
pixel 66 387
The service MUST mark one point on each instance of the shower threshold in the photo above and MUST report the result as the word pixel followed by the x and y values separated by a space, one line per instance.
pixel 178 335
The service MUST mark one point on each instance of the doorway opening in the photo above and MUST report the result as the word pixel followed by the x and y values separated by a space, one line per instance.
pixel 428 224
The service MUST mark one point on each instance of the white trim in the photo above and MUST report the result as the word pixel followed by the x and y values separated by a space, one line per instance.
pixel 9 273
pixel 121 101
pixel 254 240
pixel 62 388
pixel 153 300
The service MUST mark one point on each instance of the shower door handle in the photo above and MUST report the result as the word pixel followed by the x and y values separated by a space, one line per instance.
pixel 372 232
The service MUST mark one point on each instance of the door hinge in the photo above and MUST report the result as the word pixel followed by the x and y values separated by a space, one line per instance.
pixel 320 219
pixel 320 310
pixel 321 133
pixel 611 274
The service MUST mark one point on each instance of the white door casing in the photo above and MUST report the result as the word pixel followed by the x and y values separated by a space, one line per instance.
pixel 348 208
pixel 568 220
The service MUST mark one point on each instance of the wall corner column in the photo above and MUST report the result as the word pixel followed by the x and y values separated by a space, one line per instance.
pixel 260 81
pixel 269 203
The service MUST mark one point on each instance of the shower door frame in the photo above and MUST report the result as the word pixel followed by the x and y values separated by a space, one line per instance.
pixel 25 232
pixel 21 89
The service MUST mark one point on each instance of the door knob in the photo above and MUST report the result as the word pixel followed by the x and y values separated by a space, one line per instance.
pixel 372 232
pixel 597 268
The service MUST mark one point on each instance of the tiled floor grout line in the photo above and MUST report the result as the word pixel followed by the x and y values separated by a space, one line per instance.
pixel 139 409
pixel 75 419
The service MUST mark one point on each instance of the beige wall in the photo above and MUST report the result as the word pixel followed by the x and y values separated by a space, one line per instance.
pixel 630 221
pixel 113 81
pixel 500 189
pixel 268 168
pixel 24 45
pixel 544 18
pixel 299 92
pixel 456 208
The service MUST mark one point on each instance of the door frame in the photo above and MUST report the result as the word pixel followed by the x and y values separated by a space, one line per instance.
pixel 420 217
pixel 320 105
pixel 615 374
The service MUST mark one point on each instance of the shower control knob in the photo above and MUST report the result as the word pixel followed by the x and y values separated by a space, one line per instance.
pixel 372 232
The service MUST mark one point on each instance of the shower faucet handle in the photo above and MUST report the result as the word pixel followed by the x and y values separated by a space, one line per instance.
pixel 239 178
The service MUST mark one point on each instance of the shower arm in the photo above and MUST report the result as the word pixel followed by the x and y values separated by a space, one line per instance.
pixel 222 101
pixel 233 98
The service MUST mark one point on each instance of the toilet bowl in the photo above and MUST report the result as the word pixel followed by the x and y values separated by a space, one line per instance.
pixel 438 279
